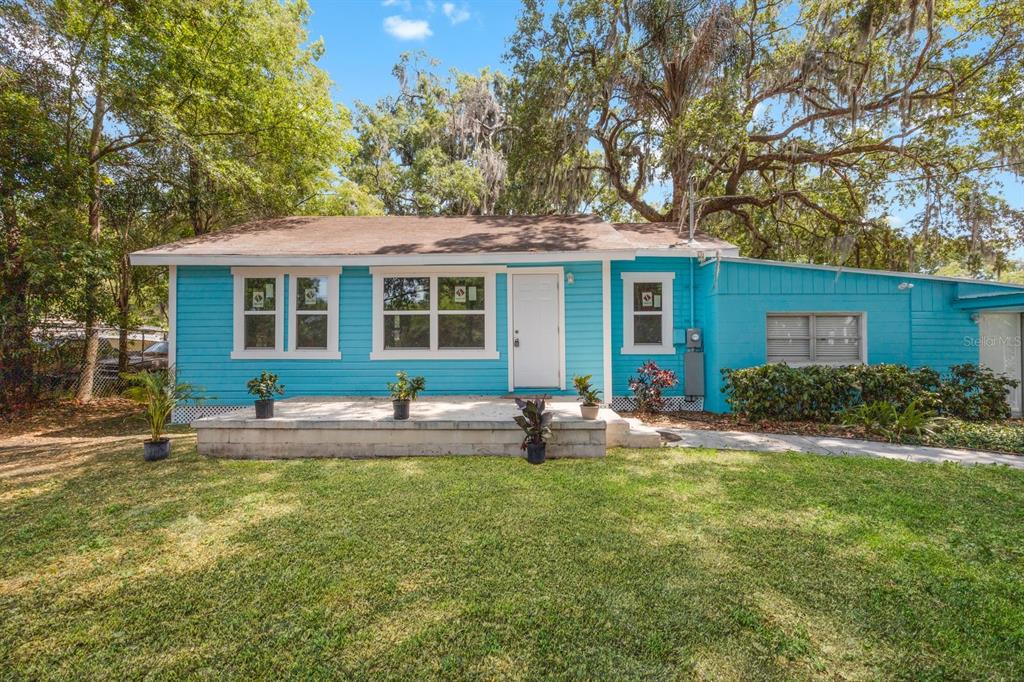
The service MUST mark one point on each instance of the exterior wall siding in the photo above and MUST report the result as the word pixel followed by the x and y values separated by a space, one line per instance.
pixel 205 338
pixel 730 300
pixel 917 326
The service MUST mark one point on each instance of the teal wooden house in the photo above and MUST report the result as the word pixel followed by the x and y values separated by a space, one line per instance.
pixel 500 305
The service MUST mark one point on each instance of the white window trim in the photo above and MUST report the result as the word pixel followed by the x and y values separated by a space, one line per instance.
pixel 488 352
pixel 862 330
pixel 240 352
pixel 665 279
pixel 331 352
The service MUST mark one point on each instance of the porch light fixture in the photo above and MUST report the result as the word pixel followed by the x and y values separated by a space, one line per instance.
pixel 975 317
pixel 904 286
pixel 569 278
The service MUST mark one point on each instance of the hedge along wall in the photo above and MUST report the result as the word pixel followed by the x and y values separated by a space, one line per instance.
pixel 916 327
pixel 820 393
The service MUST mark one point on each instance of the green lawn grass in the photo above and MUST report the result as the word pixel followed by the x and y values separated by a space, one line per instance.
pixel 649 564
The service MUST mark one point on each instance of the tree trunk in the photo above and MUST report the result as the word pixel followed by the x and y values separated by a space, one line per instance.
pixel 92 342
pixel 122 302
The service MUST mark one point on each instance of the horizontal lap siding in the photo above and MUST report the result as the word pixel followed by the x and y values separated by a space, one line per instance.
pixel 205 328
pixel 625 366
pixel 917 327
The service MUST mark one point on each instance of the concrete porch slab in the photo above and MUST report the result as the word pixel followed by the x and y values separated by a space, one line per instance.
pixel 331 427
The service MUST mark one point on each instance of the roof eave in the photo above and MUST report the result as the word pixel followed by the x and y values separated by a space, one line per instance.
pixel 151 258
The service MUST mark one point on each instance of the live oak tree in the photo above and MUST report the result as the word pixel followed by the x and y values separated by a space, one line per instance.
pixel 780 122
pixel 435 147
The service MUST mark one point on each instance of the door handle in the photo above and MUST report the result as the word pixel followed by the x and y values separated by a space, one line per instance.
pixel 515 342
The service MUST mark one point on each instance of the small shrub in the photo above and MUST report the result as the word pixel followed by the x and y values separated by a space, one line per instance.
pixel 160 392
pixel 534 421
pixel 406 388
pixel 265 386
pixel 588 395
pixel 647 386
pixel 975 393
pixel 883 418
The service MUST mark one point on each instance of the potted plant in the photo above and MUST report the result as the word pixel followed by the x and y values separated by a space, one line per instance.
pixel 265 387
pixel 589 397
pixel 536 423
pixel 403 391
pixel 160 393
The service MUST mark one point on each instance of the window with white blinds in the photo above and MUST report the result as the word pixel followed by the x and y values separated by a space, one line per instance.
pixel 827 338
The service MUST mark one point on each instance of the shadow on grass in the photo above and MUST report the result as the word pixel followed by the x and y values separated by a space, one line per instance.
pixel 647 564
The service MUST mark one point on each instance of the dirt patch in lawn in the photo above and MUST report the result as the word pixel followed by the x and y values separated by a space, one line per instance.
pixel 63 437
pixel 103 416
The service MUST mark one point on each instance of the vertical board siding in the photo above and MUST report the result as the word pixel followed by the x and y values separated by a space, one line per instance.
pixel 205 328
pixel 917 326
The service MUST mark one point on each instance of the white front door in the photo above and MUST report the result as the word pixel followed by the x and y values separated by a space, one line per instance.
pixel 536 346
pixel 1000 337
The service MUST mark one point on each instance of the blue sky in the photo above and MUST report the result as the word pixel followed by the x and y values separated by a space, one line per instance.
pixel 364 39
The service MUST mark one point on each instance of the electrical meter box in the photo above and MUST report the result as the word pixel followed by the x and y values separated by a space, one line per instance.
pixel 694 338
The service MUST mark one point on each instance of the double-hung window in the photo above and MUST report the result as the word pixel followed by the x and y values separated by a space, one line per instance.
pixel 647 313
pixel 259 313
pixel 313 318
pixel 428 314
pixel 815 338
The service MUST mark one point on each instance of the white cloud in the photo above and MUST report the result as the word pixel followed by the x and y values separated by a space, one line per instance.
pixel 404 4
pixel 408 29
pixel 456 15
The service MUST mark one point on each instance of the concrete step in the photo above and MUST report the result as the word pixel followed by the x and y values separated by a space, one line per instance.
pixel 630 432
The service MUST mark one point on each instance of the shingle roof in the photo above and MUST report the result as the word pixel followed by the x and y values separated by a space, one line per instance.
pixel 459 236
pixel 403 235
pixel 668 236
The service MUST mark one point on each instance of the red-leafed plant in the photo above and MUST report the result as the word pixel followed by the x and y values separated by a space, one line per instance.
pixel 649 384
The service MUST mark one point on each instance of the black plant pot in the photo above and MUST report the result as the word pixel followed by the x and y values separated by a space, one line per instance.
pixel 264 408
pixel 401 408
pixel 536 453
pixel 153 451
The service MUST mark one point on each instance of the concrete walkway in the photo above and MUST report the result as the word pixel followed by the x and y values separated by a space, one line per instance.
pixel 828 445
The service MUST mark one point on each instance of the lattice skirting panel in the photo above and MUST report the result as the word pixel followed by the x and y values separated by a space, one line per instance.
pixel 672 404
pixel 184 414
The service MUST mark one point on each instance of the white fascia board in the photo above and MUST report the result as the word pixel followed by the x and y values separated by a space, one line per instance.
pixel 407 259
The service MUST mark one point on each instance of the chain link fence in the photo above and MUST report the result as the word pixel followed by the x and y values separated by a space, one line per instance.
pixel 58 357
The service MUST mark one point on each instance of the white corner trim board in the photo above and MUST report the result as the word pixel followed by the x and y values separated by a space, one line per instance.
pixel 172 316
pixel 665 279
pixel 606 326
